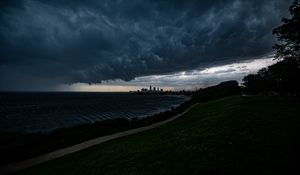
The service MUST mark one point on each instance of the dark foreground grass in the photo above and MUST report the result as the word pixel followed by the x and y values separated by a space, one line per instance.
pixel 236 135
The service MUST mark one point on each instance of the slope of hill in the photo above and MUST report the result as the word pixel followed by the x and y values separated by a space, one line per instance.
pixel 237 135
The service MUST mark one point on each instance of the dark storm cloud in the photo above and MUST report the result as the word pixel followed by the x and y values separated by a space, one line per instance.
pixel 45 43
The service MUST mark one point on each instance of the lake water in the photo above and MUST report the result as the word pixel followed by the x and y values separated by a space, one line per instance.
pixel 44 112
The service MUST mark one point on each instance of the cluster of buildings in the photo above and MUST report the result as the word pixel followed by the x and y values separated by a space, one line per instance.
pixel 151 89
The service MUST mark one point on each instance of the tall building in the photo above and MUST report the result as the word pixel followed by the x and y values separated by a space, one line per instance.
pixel 150 88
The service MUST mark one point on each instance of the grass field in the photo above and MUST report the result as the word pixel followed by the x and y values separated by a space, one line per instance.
pixel 236 135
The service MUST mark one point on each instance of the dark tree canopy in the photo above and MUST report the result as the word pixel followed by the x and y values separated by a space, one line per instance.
pixel 289 35
pixel 223 89
pixel 284 76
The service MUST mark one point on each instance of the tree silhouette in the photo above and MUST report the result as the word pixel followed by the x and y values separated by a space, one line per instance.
pixel 284 76
pixel 289 35
pixel 258 83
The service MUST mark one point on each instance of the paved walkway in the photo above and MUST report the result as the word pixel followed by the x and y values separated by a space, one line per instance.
pixel 72 149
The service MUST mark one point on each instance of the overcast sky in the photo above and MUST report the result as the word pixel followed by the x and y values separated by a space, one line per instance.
pixel 127 44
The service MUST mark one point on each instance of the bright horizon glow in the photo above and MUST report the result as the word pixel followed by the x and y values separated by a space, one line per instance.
pixel 193 79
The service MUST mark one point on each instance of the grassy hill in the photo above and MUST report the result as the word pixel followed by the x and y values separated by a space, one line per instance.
pixel 237 135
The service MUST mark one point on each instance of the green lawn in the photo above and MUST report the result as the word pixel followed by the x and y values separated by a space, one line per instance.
pixel 237 135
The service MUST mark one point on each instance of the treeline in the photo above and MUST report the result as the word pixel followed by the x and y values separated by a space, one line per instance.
pixel 282 78
pixel 223 89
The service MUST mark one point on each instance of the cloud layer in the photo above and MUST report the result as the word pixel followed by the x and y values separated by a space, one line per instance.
pixel 47 43
pixel 197 78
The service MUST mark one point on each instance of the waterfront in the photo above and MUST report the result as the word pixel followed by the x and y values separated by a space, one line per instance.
pixel 44 112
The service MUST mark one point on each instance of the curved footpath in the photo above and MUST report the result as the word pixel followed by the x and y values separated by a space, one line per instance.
pixel 10 168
